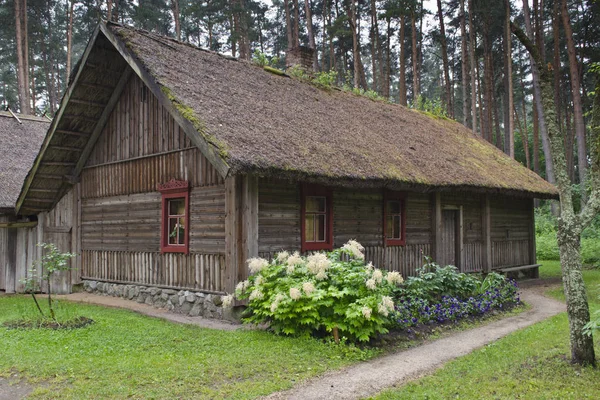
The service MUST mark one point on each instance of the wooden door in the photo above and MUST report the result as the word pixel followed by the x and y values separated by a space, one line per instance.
pixel 449 238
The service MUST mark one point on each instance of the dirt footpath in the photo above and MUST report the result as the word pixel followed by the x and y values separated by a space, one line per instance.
pixel 14 389
pixel 368 378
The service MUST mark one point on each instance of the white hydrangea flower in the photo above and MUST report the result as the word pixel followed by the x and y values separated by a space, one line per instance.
pixel 308 288
pixel 295 259
pixel 387 302
pixel 242 286
pixel 377 275
pixel 295 294
pixel 369 266
pixel 256 294
pixel 227 301
pixel 321 275
pixel 355 249
pixel 282 256
pixel 371 284
pixel 290 269
pixel 317 264
pixel 279 297
pixel 259 280
pixel 366 312
pixel 381 309
pixel 257 264
pixel 274 306
pixel 394 278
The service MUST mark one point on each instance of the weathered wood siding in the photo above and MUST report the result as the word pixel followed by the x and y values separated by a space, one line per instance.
pixel 357 215
pixel 132 222
pixel 142 175
pixel 138 126
pixel 140 147
pixel 511 231
pixel 6 274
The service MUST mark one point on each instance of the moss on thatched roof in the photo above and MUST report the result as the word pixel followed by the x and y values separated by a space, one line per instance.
pixel 19 144
pixel 270 124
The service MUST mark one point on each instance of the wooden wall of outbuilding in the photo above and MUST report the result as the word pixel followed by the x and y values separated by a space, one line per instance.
pixel 358 215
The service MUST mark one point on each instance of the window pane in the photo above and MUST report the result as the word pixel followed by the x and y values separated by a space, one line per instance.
pixel 181 231
pixel 393 207
pixel 309 228
pixel 321 228
pixel 173 230
pixel 315 204
pixel 177 206
pixel 397 224
pixel 389 225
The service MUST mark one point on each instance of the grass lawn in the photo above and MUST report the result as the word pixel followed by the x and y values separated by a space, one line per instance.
pixel 528 364
pixel 126 355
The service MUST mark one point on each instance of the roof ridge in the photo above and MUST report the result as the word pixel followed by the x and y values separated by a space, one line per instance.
pixel 160 38
pixel 26 117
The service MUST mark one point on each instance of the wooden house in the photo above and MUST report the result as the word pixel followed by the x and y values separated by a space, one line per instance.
pixel 171 165
pixel 20 140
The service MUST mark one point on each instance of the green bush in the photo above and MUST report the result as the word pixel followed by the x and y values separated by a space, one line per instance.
pixel 331 292
pixel 434 281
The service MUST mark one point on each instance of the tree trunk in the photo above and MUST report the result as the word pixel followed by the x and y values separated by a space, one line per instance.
pixel 570 225
pixel 359 80
pixel 288 25
pixel 524 138
pixel 296 26
pixel 402 78
pixel 109 6
pixel 542 118
pixel 536 138
pixel 375 59
pixel 176 18
pixel 415 57
pixel 509 134
pixel 70 38
pixel 447 83
pixel 472 45
pixel 463 64
pixel 388 61
pixel 22 56
pixel 577 104
pixel 311 36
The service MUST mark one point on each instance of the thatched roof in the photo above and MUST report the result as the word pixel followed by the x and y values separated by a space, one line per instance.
pixel 19 144
pixel 248 120
pixel 267 123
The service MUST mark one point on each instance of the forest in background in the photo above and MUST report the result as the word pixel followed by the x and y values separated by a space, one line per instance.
pixel 455 58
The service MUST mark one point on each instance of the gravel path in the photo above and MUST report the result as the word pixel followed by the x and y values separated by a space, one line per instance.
pixel 368 378
pixel 145 309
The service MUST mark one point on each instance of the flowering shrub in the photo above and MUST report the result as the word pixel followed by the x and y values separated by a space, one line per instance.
pixel 496 293
pixel 333 292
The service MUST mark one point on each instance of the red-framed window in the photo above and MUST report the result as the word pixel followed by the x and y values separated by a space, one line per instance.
pixel 394 219
pixel 175 233
pixel 316 218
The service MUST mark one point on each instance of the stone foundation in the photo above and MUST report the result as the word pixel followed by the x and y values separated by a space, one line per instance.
pixel 194 304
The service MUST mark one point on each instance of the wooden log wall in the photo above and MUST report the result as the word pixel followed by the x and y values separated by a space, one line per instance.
pixel 132 223
pixel 140 147
pixel 357 215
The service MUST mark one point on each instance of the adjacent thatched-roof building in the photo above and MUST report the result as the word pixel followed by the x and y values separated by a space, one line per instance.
pixel 20 140
pixel 180 163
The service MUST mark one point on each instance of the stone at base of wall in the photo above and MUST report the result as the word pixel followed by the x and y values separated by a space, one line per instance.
pixel 194 304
